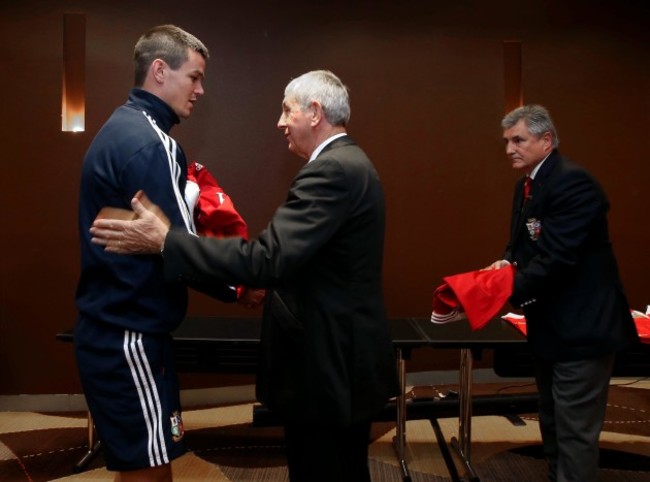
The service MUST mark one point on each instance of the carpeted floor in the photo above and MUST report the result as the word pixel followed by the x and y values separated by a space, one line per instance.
pixel 225 446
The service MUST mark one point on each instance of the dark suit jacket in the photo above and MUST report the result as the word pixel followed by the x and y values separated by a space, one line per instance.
pixel 326 352
pixel 567 279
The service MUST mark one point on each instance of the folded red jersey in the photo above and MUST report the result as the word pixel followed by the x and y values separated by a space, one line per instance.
pixel 214 212
pixel 479 294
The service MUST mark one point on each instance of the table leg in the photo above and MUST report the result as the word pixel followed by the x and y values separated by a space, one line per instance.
pixel 444 450
pixel 94 446
pixel 463 444
pixel 399 441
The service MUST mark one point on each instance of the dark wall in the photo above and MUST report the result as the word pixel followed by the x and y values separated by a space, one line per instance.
pixel 427 89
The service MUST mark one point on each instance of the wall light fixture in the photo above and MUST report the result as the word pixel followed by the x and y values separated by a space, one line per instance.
pixel 73 109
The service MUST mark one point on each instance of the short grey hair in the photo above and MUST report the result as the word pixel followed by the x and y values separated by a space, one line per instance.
pixel 537 120
pixel 325 88
pixel 165 42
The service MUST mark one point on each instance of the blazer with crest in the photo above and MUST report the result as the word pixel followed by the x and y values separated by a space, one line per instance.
pixel 326 352
pixel 567 278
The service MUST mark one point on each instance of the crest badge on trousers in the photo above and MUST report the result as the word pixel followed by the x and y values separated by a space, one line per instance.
pixel 177 426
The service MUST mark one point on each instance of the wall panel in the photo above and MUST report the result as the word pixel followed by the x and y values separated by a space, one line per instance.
pixel 427 90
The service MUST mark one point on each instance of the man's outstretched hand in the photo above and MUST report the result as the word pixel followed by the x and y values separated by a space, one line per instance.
pixel 141 231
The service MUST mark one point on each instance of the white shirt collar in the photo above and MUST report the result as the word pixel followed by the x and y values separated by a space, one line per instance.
pixel 533 173
pixel 322 145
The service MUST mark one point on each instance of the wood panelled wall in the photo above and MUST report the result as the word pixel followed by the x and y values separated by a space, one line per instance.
pixel 428 93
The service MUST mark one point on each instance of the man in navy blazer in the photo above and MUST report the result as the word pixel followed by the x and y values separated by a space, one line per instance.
pixel 568 285
pixel 327 364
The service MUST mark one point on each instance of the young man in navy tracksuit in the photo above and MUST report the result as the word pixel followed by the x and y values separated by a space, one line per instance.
pixel 126 310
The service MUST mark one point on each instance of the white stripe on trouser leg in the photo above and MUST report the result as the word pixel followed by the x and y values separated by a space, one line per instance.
pixel 158 439
pixel 148 395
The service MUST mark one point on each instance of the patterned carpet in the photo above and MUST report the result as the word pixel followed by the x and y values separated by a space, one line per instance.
pixel 225 446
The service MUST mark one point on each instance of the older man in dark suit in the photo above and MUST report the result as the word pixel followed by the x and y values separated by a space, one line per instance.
pixel 327 364
pixel 567 284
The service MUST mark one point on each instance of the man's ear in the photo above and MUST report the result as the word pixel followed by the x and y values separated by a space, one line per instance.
pixel 316 113
pixel 547 137
pixel 157 69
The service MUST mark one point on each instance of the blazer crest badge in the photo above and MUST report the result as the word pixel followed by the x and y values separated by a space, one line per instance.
pixel 534 227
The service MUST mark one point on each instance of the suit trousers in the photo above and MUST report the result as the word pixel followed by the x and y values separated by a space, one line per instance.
pixel 327 453
pixel 572 404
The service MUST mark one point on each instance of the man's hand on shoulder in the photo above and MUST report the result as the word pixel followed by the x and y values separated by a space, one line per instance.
pixel 141 231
